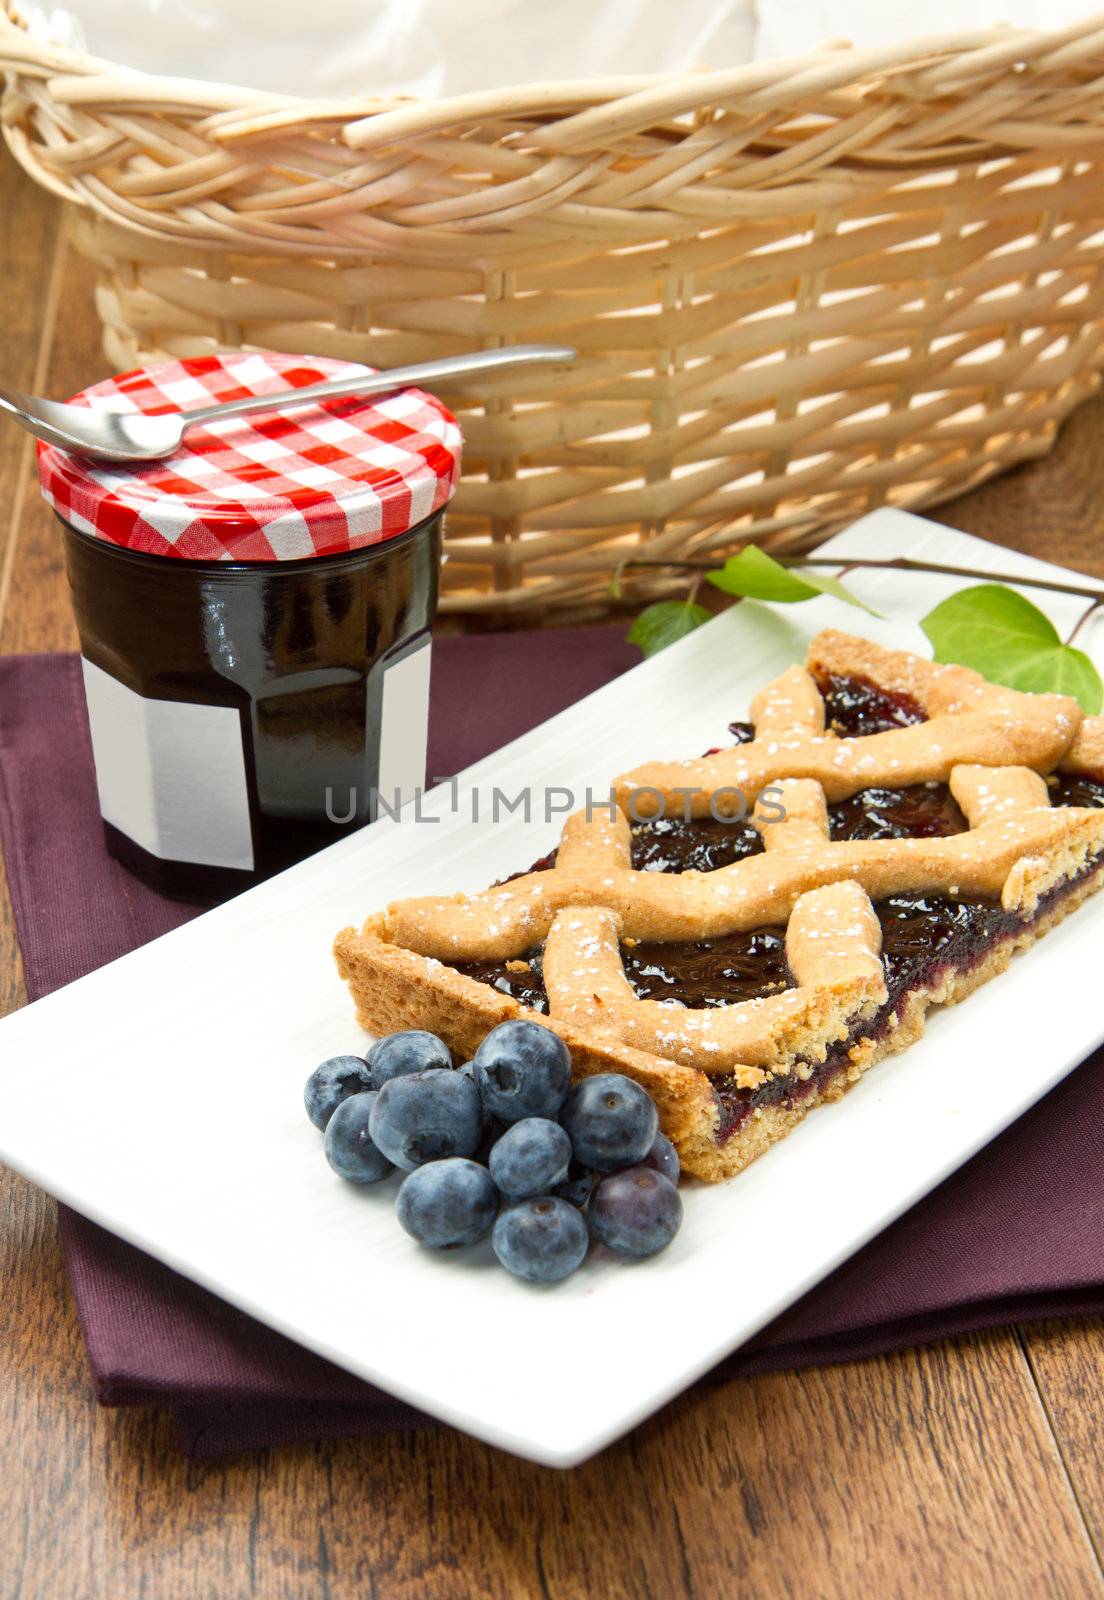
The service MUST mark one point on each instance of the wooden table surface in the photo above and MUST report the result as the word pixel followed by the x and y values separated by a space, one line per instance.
pixel 970 1467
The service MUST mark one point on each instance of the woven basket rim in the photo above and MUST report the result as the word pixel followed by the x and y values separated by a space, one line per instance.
pixel 930 179
pixel 362 114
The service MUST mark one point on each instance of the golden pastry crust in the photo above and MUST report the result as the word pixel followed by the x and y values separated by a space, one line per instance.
pixel 969 720
pixel 1086 754
pixel 943 690
pixel 514 918
pixel 833 943
pixel 990 744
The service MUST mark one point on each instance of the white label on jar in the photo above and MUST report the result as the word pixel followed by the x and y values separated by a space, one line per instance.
pixel 404 727
pixel 171 775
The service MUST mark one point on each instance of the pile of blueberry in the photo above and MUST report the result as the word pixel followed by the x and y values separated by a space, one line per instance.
pixel 503 1145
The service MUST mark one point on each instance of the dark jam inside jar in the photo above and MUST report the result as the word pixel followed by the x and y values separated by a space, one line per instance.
pixel 298 651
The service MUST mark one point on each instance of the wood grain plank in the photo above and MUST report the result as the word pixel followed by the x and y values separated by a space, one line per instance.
pixel 28 243
pixel 1052 508
pixel 929 1472
pixel 1067 1363
pixel 29 240
pixel 40 1349
pixel 37 614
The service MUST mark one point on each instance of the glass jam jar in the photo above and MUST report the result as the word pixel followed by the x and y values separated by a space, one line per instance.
pixel 254 616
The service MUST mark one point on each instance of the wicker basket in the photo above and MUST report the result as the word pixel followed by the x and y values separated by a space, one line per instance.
pixel 798 289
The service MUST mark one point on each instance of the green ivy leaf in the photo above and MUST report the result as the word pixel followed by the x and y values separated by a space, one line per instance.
pixel 1008 640
pixel 758 576
pixel 662 624
pixel 1066 670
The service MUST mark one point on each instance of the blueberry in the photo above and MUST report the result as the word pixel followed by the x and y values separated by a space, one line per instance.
pixel 612 1121
pixel 663 1157
pixel 348 1144
pixel 523 1070
pixel 412 1051
pixel 635 1213
pixel 426 1116
pixel 541 1240
pixel 447 1203
pixel 576 1186
pixel 531 1158
pixel 335 1080
pixel 493 1129
pixel 468 1069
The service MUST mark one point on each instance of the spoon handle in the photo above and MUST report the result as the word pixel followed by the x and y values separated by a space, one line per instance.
pixel 381 382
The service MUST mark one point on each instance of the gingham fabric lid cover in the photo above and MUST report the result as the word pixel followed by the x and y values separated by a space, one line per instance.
pixel 336 476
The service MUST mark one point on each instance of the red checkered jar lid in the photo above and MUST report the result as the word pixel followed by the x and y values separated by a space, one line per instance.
pixel 336 476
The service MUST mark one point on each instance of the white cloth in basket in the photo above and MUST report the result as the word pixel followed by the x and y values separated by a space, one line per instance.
pixel 792 27
pixel 434 48
pixel 428 48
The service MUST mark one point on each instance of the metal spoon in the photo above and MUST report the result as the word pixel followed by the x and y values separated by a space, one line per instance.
pixel 132 436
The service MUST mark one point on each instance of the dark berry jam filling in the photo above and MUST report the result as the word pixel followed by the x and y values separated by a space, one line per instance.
pixel 920 811
pixel 522 980
pixel 697 973
pixel 925 934
pixel 854 707
pixel 669 844
pixel 1069 789
pixel 702 973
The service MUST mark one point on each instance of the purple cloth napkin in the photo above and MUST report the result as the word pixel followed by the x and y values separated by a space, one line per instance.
pixel 1016 1234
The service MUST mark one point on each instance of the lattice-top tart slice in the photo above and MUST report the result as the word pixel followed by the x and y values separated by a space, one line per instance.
pixel 913 826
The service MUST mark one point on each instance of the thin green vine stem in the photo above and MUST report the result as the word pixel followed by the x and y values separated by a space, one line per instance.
pixel 1093 605
pixel 898 563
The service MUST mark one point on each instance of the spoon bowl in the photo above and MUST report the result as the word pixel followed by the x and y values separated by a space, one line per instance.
pixel 136 436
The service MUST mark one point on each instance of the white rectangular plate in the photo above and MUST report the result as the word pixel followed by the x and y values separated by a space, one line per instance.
pixel 161 1096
